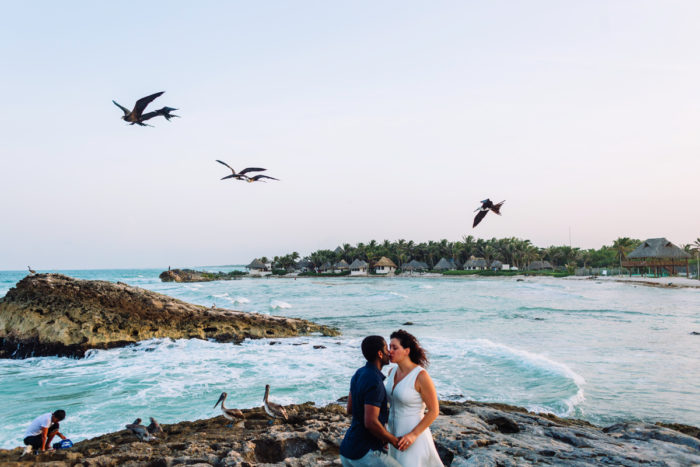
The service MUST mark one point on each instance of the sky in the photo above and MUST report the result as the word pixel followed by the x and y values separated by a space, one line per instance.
pixel 382 120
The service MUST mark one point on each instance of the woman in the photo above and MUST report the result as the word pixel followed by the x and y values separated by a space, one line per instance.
pixel 410 390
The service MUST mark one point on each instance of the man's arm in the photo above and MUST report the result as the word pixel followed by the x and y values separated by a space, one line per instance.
pixel 348 407
pixel 44 434
pixel 375 427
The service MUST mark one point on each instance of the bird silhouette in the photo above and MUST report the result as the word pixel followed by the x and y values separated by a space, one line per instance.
pixel 486 206
pixel 154 427
pixel 137 117
pixel 230 414
pixel 272 409
pixel 239 175
pixel 258 178
pixel 140 431
pixel 31 271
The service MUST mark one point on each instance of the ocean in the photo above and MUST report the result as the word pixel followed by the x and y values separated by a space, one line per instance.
pixel 596 350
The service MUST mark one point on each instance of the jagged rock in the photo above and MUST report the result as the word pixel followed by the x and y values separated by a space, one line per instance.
pixel 53 314
pixel 313 436
pixel 190 275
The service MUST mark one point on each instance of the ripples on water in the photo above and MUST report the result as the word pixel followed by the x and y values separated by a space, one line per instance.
pixel 602 352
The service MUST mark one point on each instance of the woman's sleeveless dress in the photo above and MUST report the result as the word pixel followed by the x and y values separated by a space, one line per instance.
pixel 405 412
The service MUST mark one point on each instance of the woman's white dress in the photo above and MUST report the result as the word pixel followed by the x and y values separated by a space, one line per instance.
pixel 406 409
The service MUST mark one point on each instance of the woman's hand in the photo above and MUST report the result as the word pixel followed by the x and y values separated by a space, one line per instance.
pixel 406 441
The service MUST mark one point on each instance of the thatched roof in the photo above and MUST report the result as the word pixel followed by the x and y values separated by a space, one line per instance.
pixel 326 266
pixel 358 264
pixel 342 264
pixel 386 262
pixel 256 264
pixel 537 265
pixel 658 248
pixel 443 264
pixel 475 263
pixel 305 263
pixel 414 265
pixel 338 251
pixel 496 264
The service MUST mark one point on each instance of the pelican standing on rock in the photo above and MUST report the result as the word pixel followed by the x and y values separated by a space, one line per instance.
pixel 272 409
pixel 154 427
pixel 140 431
pixel 230 414
pixel 31 271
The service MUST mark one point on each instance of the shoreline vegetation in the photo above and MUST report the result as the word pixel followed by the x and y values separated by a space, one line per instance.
pixel 465 433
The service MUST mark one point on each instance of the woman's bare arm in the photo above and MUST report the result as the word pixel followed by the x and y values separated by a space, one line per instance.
pixel 426 389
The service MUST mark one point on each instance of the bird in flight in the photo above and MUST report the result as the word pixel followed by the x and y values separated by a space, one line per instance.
pixel 239 175
pixel 486 206
pixel 137 117
pixel 259 178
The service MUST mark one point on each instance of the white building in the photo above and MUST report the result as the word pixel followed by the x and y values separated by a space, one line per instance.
pixel 384 266
pixel 358 268
pixel 258 268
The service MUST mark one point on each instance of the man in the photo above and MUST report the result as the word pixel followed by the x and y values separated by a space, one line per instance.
pixel 42 430
pixel 366 438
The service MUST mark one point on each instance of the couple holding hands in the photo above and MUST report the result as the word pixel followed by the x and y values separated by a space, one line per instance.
pixel 408 391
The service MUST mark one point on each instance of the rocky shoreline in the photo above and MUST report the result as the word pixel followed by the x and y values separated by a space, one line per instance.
pixel 190 275
pixel 466 434
pixel 56 315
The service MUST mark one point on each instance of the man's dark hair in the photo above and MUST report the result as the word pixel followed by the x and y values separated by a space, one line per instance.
pixel 60 414
pixel 371 345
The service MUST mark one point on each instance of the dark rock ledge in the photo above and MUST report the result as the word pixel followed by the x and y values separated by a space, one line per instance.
pixel 466 434
pixel 53 314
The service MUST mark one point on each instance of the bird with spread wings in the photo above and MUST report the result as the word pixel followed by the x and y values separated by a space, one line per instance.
pixel 137 117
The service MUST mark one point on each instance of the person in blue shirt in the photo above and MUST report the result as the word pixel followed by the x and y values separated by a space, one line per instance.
pixel 365 441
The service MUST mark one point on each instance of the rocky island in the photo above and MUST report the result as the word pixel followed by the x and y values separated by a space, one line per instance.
pixel 466 434
pixel 53 314
pixel 190 275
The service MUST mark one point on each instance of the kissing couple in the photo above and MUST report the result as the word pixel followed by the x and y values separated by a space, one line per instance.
pixel 392 413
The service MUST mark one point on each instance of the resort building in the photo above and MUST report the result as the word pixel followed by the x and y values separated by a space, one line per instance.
pixel 415 266
pixel 656 255
pixel 384 266
pixel 540 266
pixel 496 265
pixel 258 268
pixel 341 266
pixel 358 268
pixel 326 268
pixel 304 265
pixel 475 264
pixel 444 265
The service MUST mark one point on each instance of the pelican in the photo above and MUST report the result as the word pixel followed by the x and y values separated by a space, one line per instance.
pixel 140 431
pixel 154 427
pixel 31 271
pixel 258 178
pixel 239 175
pixel 272 409
pixel 230 414
pixel 486 206
pixel 137 117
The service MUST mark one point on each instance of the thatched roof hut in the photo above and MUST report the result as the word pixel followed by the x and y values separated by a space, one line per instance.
pixel 342 265
pixel 256 264
pixel 358 264
pixel 496 265
pixel 444 265
pixel 475 263
pixel 415 265
pixel 540 265
pixel 386 262
pixel 657 254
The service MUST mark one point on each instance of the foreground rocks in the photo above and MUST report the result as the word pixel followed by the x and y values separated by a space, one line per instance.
pixel 466 434
pixel 53 314
pixel 190 275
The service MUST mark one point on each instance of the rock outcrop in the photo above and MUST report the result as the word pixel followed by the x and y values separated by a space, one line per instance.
pixel 466 434
pixel 53 314
pixel 190 275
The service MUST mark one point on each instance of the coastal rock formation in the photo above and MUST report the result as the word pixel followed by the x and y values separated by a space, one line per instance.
pixel 53 314
pixel 190 275
pixel 466 434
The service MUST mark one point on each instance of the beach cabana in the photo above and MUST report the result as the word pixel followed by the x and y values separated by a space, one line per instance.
pixel 304 265
pixel 384 266
pixel 540 266
pixel 444 265
pixel 658 254
pixel 341 266
pixel 358 268
pixel 496 265
pixel 475 264
pixel 415 266
pixel 326 268
pixel 258 268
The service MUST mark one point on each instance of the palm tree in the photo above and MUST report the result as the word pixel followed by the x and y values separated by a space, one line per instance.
pixel 622 246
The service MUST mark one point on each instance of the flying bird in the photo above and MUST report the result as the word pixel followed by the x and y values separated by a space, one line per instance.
pixel 137 117
pixel 272 409
pixel 154 427
pixel 486 206
pixel 230 414
pixel 258 178
pixel 239 175
pixel 31 271
pixel 140 431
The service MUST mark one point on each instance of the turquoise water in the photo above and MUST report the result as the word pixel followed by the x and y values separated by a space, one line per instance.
pixel 600 351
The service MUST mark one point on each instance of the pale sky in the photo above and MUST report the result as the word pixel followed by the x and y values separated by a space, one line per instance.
pixel 383 120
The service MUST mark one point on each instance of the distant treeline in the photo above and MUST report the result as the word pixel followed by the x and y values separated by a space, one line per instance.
pixel 513 251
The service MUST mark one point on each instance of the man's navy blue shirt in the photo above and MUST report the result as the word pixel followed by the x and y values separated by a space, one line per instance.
pixel 366 387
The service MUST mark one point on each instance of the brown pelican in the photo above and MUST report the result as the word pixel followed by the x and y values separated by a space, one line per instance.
pixel 140 431
pixel 31 271
pixel 230 414
pixel 154 427
pixel 258 178
pixel 137 117
pixel 239 175
pixel 486 206
pixel 272 409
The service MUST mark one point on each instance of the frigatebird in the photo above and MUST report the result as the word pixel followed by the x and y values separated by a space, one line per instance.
pixel 486 206
pixel 137 117
pixel 239 175
pixel 258 178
